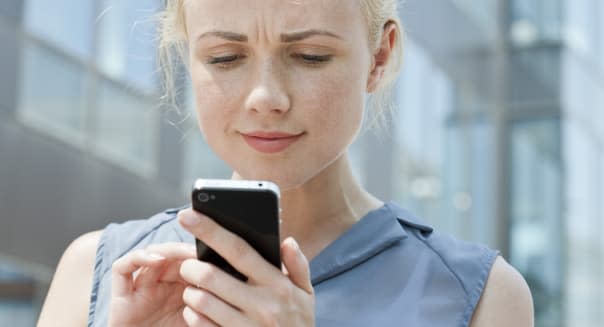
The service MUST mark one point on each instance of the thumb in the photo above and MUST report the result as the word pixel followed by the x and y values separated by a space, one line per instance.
pixel 296 264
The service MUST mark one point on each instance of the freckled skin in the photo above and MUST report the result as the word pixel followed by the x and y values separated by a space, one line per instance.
pixel 269 87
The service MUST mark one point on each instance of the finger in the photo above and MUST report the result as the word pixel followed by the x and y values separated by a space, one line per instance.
pixel 231 247
pixel 212 307
pixel 122 269
pixel 146 276
pixel 194 319
pixel 173 250
pixel 214 280
pixel 296 265
pixel 174 253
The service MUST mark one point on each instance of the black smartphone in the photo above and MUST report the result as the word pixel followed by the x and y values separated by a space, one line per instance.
pixel 247 208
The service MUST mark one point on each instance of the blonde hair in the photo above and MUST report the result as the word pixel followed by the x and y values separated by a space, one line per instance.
pixel 378 14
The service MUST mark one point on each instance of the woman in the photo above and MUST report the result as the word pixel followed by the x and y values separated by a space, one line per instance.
pixel 280 90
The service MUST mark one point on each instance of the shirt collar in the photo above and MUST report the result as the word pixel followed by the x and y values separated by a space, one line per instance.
pixel 375 232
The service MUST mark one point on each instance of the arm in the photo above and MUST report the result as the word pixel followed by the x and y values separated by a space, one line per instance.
pixel 68 298
pixel 506 299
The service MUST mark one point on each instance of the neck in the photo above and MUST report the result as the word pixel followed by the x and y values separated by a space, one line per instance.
pixel 320 210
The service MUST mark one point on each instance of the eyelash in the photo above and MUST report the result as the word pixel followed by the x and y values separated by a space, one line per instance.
pixel 224 60
pixel 313 60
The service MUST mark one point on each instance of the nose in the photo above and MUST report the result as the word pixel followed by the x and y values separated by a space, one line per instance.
pixel 269 92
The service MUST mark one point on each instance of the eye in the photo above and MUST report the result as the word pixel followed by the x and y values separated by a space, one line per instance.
pixel 225 61
pixel 314 59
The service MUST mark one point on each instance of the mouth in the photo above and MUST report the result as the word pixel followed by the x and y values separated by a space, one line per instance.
pixel 270 142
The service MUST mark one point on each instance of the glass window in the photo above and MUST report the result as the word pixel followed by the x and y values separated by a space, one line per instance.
pixel 482 12
pixel 601 34
pixel 582 92
pixel 536 222
pixel 468 199
pixel 425 97
pixel 126 41
pixel 537 20
pixel 581 27
pixel 411 96
pixel 65 23
pixel 442 163
pixel 52 93
pixel 582 168
pixel 127 128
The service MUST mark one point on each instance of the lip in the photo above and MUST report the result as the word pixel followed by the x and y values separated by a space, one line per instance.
pixel 270 142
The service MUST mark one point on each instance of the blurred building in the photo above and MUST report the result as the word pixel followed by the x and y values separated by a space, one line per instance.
pixel 499 137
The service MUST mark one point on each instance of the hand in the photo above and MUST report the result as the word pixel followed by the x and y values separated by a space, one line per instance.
pixel 270 297
pixel 146 287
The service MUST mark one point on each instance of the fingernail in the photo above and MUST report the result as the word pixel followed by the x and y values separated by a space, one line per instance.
pixel 189 220
pixel 295 245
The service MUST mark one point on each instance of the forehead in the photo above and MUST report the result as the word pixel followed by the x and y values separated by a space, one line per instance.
pixel 247 16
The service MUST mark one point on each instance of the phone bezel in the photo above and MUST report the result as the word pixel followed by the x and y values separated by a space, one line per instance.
pixel 224 184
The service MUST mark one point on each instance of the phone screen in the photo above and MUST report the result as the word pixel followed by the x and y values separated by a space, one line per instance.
pixel 251 213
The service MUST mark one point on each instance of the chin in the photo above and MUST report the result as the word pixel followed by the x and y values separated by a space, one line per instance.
pixel 285 179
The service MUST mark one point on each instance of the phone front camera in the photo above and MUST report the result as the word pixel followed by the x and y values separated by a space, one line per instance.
pixel 260 184
pixel 203 197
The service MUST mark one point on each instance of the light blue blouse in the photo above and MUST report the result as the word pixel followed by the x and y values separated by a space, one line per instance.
pixel 389 269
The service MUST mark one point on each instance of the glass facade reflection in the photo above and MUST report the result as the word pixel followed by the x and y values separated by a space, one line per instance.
pixel 45 20
pixel 52 92
pixel 498 137
pixel 126 45
pixel 125 128
pixel 90 79
pixel 536 232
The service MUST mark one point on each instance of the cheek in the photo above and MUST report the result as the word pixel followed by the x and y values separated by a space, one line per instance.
pixel 335 101
pixel 216 101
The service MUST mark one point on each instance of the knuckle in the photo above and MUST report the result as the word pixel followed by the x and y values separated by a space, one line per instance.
pixel 191 317
pixel 207 277
pixel 203 300
pixel 122 261
pixel 269 315
pixel 186 267
pixel 284 292
pixel 240 250
pixel 207 233
pixel 183 270
pixel 180 214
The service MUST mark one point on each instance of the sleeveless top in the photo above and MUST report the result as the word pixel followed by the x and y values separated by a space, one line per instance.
pixel 389 269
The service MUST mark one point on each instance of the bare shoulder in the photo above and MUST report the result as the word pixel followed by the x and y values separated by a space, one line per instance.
pixel 506 299
pixel 68 298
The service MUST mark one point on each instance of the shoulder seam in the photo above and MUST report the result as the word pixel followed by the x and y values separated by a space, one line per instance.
pixel 446 265
pixel 96 279
pixel 487 263
pixel 471 297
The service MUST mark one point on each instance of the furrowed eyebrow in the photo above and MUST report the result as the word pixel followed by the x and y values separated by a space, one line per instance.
pixel 299 36
pixel 230 36
pixel 285 38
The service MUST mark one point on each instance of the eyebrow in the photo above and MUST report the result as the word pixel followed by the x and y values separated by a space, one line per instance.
pixel 299 36
pixel 285 38
pixel 231 36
